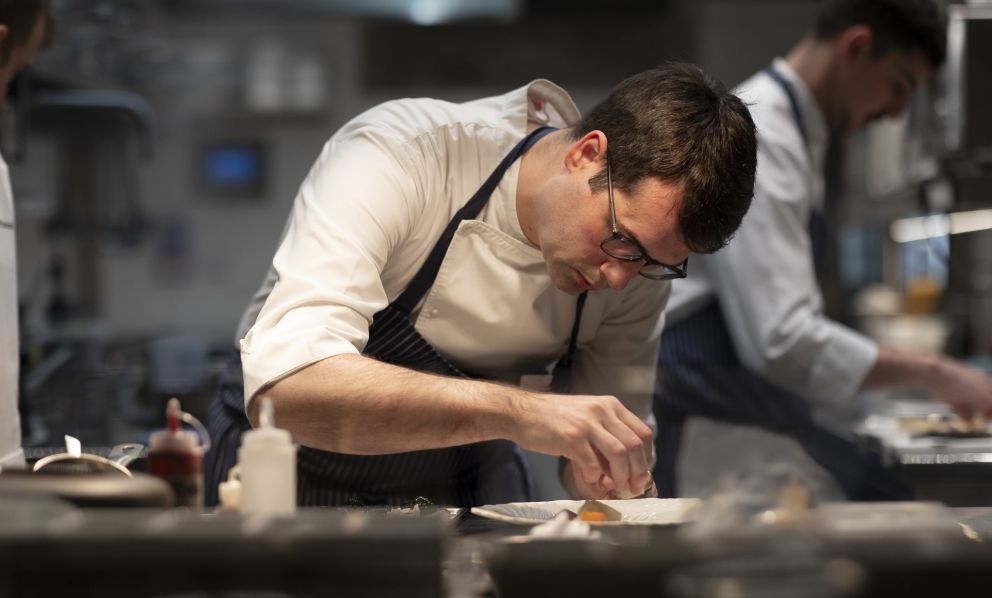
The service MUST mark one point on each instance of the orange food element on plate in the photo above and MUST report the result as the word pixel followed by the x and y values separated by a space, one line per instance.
pixel 592 516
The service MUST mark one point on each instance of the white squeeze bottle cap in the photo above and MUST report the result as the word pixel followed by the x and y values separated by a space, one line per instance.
pixel 267 459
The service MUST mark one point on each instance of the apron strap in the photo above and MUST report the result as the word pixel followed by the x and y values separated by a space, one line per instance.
pixel 561 381
pixel 790 93
pixel 424 279
pixel 819 230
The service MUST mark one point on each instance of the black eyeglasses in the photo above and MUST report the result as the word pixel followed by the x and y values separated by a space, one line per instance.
pixel 628 250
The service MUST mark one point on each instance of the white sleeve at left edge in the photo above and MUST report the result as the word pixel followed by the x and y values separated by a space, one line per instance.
pixel 11 454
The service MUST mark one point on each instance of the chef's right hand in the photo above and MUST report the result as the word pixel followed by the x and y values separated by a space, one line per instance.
pixel 609 446
pixel 967 390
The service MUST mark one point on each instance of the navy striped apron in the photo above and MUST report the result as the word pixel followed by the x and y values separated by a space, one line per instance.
pixel 699 373
pixel 463 476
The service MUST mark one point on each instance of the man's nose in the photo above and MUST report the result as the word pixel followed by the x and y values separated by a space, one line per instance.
pixel 618 273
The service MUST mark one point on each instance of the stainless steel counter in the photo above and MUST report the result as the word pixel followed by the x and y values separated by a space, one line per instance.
pixel 955 471
pixel 48 548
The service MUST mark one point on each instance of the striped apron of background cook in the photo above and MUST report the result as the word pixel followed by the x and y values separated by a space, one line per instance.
pixel 481 473
pixel 699 373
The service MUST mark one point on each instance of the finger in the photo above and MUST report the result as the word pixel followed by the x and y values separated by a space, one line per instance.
pixel 641 429
pixel 963 411
pixel 651 491
pixel 632 456
pixel 604 463
pixel 584 487
pixel 598 492
pixel 606 480
pixel 587 465
pixel 637 437
pixel 616 456
pixel 635 423
pixel 594 490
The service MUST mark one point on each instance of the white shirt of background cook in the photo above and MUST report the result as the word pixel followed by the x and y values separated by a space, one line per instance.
pixel 765 278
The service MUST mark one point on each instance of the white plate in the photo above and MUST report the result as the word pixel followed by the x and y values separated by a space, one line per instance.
pixel 637 511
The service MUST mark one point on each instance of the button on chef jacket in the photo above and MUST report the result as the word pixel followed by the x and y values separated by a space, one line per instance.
pixel 369 212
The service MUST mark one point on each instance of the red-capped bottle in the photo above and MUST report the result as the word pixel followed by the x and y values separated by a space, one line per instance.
pixel 176 456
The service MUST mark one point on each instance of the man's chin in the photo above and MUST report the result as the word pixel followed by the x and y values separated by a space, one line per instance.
pixel 569 288
pixel 566 281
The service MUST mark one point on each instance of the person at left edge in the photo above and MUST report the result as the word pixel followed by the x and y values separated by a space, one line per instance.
pixel 538 224
pixel 25 28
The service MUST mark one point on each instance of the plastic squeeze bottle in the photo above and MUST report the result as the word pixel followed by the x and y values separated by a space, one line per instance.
pixel 267 459
pixel 176 456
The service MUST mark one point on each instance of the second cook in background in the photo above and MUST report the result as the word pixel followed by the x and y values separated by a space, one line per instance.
pixel 747 340
pixel 494 238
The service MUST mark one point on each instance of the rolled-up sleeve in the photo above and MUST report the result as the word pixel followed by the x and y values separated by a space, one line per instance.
pixel 352 210
pixel 769 295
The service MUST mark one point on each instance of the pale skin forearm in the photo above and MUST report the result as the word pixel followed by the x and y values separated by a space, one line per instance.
pixel 357 405
pixel 968 391
pixel 897 369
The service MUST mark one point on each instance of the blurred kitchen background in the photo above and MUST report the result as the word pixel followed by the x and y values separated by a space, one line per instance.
pixel 156 149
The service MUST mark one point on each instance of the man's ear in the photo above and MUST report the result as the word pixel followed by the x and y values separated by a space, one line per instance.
pixel 855 43
pixel 589 151
pixel 4 30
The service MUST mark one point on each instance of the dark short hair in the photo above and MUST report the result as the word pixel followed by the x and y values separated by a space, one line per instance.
pixel 906 25
pixel 677 124
pixel 20 17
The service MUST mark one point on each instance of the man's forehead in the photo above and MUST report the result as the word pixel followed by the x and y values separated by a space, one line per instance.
pixel 655 205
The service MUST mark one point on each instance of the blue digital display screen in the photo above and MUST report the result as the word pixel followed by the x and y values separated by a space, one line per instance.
pixel 232 168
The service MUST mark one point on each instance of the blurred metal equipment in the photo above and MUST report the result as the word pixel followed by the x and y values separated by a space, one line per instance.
pixel 969 80
pixel 967 162
pixel 100 135
pixel 943 457
pixel 420 12
pixel 50 550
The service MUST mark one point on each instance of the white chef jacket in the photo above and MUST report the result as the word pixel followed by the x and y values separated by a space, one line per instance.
pixel 369 212
pixel 10 421
pixel 765 278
